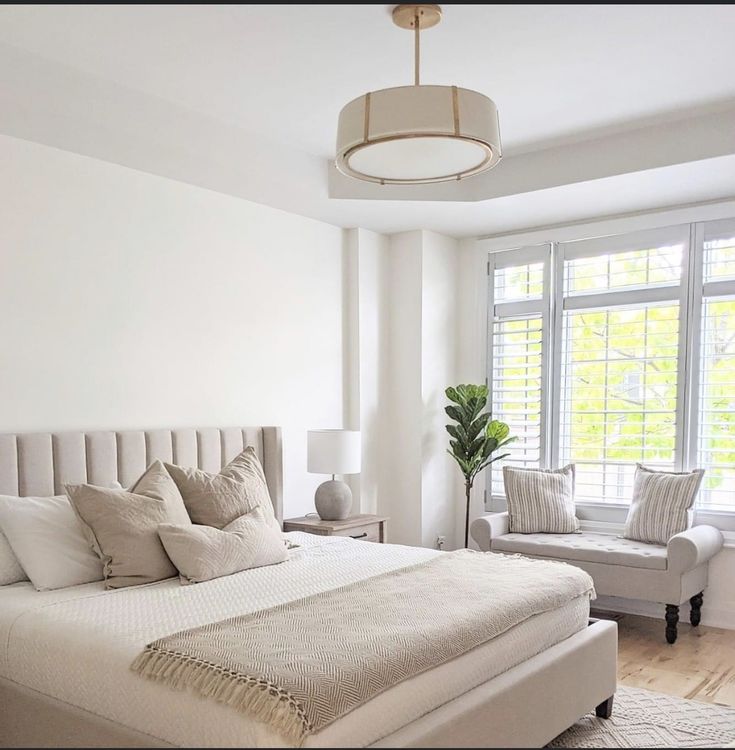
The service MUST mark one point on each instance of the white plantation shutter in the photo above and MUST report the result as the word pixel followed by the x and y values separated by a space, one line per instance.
pixel 516 390
pixel 715 444
pixel 519 292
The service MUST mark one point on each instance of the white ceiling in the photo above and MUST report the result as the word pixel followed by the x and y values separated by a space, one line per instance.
pixel 271 79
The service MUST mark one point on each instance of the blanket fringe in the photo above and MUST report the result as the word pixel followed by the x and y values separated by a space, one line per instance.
pixel 256 697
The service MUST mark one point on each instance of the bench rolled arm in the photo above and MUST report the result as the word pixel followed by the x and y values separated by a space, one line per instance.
pixel 486 528
pixel 690 548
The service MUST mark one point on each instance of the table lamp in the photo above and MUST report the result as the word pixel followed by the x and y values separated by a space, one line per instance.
pixel 333 452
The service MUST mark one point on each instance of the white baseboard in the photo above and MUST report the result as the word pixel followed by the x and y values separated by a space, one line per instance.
pixel 715 617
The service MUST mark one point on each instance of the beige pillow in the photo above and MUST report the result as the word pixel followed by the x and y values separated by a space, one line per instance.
pixel 660 504
pixel 218 499
pixel 540 500
pixel 122 526
pixel 203 552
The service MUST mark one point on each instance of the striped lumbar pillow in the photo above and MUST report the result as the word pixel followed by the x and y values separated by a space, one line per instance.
pixel 540 500
pixel 660 504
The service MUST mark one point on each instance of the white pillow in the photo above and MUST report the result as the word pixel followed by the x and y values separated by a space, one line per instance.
pixel 10 569
pixel 47 538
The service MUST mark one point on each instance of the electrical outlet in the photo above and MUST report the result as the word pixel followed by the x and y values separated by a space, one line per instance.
pixel 441 540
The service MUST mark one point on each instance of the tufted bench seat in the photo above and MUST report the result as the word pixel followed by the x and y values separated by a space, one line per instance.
pixel 585 547
pixel 670 574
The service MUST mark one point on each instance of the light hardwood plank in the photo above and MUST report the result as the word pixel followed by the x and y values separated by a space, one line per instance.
pixel 699 666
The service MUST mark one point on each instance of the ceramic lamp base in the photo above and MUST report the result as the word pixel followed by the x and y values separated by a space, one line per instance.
pixel 333 500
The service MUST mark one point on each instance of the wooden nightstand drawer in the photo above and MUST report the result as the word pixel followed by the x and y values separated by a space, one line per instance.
pixel 368 533
pixel 364 527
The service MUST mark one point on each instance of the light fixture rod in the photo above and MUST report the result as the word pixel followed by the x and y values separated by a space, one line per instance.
pixel 415 17
pixel 416 48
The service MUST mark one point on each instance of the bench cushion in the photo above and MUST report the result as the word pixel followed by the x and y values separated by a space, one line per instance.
pixel 585 547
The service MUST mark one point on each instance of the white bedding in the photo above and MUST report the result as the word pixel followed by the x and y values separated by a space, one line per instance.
pixel 76 645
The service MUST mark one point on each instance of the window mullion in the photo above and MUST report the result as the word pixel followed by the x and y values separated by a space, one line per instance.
pixel 690 351
pixel 552 407
pixel 490 319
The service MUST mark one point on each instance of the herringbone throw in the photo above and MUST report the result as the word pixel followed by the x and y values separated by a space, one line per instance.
pixel 302 665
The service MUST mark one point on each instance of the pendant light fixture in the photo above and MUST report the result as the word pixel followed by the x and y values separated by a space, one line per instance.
pixel 411 135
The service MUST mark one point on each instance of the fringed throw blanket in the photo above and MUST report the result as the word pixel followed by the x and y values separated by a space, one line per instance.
pixel 302 665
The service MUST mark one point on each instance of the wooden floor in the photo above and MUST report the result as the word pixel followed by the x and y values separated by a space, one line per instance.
pixel 700 665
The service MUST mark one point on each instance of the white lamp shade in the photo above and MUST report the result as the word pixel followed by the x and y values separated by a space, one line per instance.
pixel 333 452
pixel 418 134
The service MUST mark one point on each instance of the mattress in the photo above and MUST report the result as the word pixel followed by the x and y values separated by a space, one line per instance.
pixel 76 645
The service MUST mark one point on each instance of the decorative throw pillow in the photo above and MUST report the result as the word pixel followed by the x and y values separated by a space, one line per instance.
pixel 218 499
pixel 122 526
pixel 540 500
pixel 48 542
pixel 203 552
pixel 11 570
pixel 660 504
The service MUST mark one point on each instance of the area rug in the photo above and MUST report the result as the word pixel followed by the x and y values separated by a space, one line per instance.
pixel 642 718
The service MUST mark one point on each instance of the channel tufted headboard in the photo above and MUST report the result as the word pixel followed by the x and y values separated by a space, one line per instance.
pixel 41 463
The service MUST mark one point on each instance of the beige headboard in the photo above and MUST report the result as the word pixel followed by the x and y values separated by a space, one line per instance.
pixel 41 463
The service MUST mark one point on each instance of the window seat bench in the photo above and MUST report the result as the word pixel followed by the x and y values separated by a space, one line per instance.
pixel 670 574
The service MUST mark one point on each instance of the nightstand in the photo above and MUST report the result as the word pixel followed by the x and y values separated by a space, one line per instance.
pixel 365 527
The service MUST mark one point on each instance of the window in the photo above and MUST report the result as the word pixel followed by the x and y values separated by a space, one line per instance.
pixel 619 360
pixel 516 326
pixel 715 444
pixel 517 283
pixel 613 351
pixel 618 396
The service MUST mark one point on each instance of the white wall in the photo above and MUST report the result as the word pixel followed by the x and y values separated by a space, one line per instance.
pixel 402 429
pixel 129 300
pixel 407 287
pixel 440 476
pixel 368 385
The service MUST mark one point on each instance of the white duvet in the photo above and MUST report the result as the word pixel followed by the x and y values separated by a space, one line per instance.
pixel 76 645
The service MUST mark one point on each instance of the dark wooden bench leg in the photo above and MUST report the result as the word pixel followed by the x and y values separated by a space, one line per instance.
pixel 604 710
pixel 695 615
pixel 672 620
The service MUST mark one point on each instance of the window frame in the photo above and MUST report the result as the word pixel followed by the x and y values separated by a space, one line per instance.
pixel 689 294
pixel 504 310
pixel 700 291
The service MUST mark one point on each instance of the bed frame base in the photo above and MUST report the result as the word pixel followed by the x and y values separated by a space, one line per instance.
pixel 527 706
pixel 31 719
pixel 605 709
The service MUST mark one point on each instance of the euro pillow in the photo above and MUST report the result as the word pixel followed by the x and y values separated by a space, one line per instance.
pixel 11 570
pixel 660 505
pixel 218 499
pixel 48 541
pixel 122 526
pixel 202 553
pixel 540 501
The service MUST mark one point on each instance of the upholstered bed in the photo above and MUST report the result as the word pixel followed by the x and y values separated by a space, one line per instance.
pixel 65 655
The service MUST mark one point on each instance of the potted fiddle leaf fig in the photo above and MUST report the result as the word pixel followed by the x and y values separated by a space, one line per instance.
pixel 475 437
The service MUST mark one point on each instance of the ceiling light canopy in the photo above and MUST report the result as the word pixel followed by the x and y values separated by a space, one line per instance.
pixel 411 135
